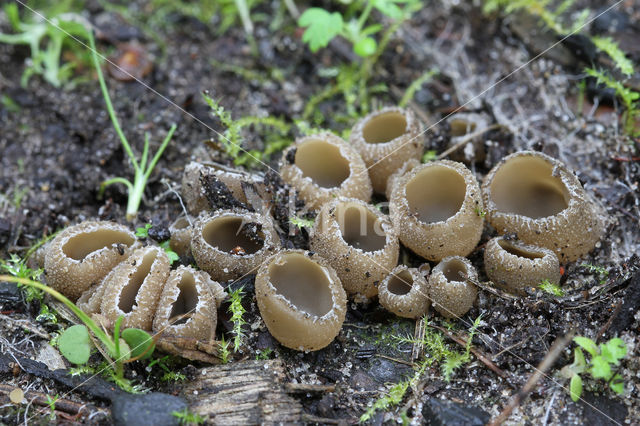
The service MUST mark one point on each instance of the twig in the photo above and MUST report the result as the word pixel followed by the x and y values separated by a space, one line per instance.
pixel 466 139
pixel 308 418
pixel 305 387
pixel 555 351
pixel 481 356
pixel 401 361
pixel 64 405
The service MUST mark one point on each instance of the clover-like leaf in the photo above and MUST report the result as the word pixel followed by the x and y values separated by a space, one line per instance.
pixel 587 344
pixel 617 384
pixel 600 368
pixel 575 388
pixel 75 345
pixel 614 350
pixel 139 341
pixel 321 25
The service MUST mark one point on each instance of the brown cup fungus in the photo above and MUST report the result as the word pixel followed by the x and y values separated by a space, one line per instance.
pixel 405 292
pixel 387 139
pixel 80 256
pixel 358 241
pixel 451 287
pixel 514 266
pixel 322 167
pixel 188 305
pixel 133 288
pixel 180 240
pixel 406 167
pixel 436 209
pixel 539 199
pixel 301 300
pixel 229 244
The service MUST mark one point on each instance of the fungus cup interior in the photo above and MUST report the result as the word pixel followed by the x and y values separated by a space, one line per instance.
pixel 302 282
pixel 187 300
pixel 525 186
pixel 226 233
pixel 436 193
pixel 130 290
pixel 384 127
pixel 322 162
pixel 400 283
pixel 461 127
pixel 358 227
pixel 83 244
pixel 518 251
pixel 454 270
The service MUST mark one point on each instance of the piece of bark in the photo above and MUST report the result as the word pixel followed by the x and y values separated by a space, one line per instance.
pixel 248 392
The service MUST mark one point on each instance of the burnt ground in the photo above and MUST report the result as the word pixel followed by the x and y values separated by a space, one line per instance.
pixel 58 146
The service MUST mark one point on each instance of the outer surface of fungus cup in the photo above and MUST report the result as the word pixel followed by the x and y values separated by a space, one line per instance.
pixel 180 241
pixel 515 266
pixel 437 210
pixel 229 244
pixel 81 255
pixel 358 241
pixel 134 287
pixel 450 286
pixel 188 305
pixel 301 300
pixel 405 292
pixel 322 167
pixel 539 199
pixel 386 139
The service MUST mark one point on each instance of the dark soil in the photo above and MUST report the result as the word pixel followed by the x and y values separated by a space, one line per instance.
pixel 58 148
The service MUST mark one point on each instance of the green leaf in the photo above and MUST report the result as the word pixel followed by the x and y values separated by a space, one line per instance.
pixel 321 25
pixel 579 363
pixel 143 232
pixel 138 340
pixel 75 345
pixel 587 344
pixel 617 384
pixel 389 8
pixel 125 351
pixel 600 368
pixel 575 388
pixel 614 350
pixel 611 48
pixel 365 47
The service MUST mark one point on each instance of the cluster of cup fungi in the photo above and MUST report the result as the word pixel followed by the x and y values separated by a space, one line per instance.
pixel 437 210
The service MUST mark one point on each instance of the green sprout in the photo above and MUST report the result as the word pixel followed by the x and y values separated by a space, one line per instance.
pixel 301 222
pixel 237 311
pixel 550 288
pixel 18 268
pixel 143 167
pixel 186 417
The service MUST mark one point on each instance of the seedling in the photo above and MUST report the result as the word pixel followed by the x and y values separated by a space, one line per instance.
pixel 602 272
pixel 301 222
pixel 142 168
pixel 18 268
pixel 224 354
pixel 186 417
pixel 51 402
pixel 429 156
pixel 550 288
pixel 264 354
pixel 75 343
pixel 601 365
pixel 237 311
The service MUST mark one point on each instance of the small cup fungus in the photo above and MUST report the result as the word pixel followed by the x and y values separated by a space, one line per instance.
pixel 539 199
pixel 515 266
pixel 358 241
pixel 437 210
pixel 231 243
pixel 451 286
pixel 405 168
pixel 322 167
pixel 188 305
pixel 404 292
pixel 180 231
pixel 81 255
pixel 386 139
pixel 133 288
pixel 301 300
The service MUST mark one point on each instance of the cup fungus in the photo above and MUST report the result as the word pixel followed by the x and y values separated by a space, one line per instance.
pixel 386 139
pixel 515 266
pixel 357 241
pixel 539 199
pixel 180 231
pixel 406 167
pixel 301 300
pixel 322 167
pixel 133 288
pixel 436 208
pixel 231 243
pixel 451 286
pixel 81 255
pixel 404 292
pixel 188 305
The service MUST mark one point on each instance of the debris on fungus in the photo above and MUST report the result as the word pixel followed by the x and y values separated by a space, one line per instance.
pixel 405 292
pixel 451 287
pixel 82 255
pixel 537 198
pixel 230 243
pixel 436 209
pixel 387 139
pixel 301 300
pixel 358 241
pixel 515 266
pixel 322 167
